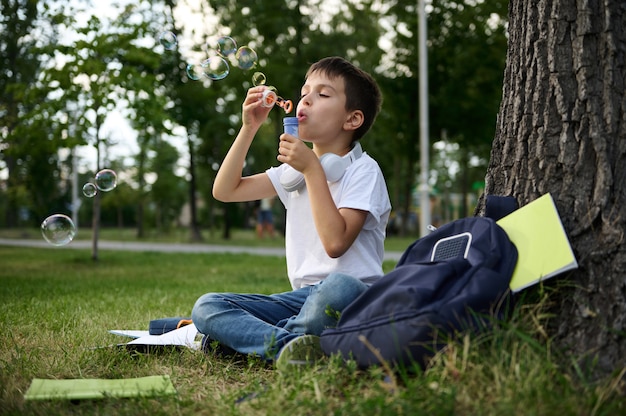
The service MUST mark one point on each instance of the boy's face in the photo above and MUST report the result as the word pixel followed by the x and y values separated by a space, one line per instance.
pixel 321 110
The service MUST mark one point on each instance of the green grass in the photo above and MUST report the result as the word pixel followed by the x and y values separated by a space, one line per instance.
pixel 182 235
pixel 57 304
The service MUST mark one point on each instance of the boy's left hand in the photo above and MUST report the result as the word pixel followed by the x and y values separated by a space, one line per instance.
pixel 296 153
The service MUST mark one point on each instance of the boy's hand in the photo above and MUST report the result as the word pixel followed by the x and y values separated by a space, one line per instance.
pixel 296 153
pixel 253 113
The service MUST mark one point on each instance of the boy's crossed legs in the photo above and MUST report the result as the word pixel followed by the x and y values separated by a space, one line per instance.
pixel 263 324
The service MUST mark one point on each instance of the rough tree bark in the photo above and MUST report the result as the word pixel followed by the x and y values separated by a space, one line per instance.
pixel 562 129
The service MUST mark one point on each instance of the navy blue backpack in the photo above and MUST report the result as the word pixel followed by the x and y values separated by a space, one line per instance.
pixel 453 280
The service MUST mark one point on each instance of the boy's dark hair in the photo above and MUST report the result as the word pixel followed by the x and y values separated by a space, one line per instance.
pixel 362 92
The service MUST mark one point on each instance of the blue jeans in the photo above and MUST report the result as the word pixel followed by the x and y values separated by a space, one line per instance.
pixel 263 324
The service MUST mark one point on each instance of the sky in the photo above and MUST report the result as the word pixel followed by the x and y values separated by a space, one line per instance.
pixel 196 25
pixel 116 126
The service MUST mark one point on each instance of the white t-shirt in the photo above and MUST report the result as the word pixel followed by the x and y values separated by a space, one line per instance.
pixel 361 187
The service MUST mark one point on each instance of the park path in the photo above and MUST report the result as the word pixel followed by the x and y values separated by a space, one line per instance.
pixel 163 247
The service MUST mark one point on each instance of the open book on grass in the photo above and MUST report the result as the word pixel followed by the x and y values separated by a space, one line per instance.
pixel 184 336
pixel 542 245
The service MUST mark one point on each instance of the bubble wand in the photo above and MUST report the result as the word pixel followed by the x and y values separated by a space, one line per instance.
pixel 270 98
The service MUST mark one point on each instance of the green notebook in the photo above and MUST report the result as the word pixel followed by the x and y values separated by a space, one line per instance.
pixel 44 389
pixel 542 245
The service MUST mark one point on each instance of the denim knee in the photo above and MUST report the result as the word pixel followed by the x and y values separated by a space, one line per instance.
pixel 339 290
pixel 207 305
pixel 325 300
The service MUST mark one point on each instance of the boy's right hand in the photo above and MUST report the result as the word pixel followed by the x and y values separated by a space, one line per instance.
pixel 253 113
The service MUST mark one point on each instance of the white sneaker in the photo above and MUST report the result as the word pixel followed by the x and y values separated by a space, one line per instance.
pixel 300 352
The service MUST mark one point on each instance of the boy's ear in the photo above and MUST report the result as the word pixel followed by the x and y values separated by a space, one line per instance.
pixel 354 120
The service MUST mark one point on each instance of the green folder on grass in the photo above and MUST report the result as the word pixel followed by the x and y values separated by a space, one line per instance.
pixel 73 389
pixel 542 245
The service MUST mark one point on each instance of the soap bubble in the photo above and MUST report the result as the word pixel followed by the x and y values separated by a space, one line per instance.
pixel 106 180
pixel 194 71
pixel 90 190
pixel 216 68
pixel 246 57
pixel 258 78
pixel 226 46
pixel 168 40
pixel 58 229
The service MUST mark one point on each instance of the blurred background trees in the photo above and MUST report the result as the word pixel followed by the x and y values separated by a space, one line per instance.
pixel 71 69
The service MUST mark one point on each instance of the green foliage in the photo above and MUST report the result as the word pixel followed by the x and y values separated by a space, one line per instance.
pixel 56 305
pixel 466 69
pixel 168 192
pixel 59 90
pixel 27 137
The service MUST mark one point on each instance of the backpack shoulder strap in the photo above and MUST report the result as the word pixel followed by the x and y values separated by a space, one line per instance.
pixel 497 207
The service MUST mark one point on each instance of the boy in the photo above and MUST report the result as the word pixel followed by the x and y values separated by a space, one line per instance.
pixel 334 230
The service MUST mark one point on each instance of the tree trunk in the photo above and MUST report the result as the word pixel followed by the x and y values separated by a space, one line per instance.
pixel 95 218
pixel 12 206
pixel 464 179
pixel 95 226
pixel 562 129
pixel 141 181
pixel 194 228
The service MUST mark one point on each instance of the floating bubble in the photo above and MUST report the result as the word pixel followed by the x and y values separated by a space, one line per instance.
pixel 194 71
pixel 106 180
pixel 216 68
pixel 168 40
pixel 90 190
pixel 258 78
pixel 226 46
pixel 246 57
pixel 58 229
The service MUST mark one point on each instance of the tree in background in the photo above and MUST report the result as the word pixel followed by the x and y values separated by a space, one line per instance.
pixel 29 138
pixel 117 63
pixel 467 51
pixel 104 67
pixel 466 56
pixel 561 130
pixel 168 192
pixel 288 36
